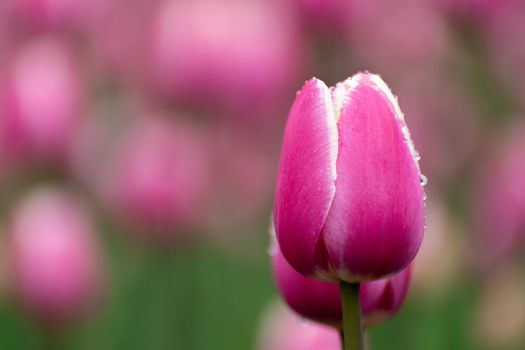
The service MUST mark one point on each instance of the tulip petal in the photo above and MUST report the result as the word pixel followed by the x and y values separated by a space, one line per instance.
pixel 306 177
pixel 381 299
pixel 375 225
pixel 316 300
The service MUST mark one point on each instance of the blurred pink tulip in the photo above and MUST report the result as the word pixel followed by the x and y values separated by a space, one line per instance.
pixel 230 54
pixel 321 301
pixel 53 259
pixel 349 200
pixel 159 176
pixel 499 201
pixel 41 101
pixel 283 330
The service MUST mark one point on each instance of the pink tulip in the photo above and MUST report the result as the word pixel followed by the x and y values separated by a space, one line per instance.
pixel 220 52
pixel 499 202
pixel 321 301
pixel 349 201
pixel 159 176
pixel 53 258
pixel 283 330
pixel 41 101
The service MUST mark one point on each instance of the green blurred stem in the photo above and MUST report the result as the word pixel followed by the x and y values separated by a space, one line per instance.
pixel 352 330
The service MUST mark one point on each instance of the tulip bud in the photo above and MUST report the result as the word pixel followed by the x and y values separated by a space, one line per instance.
pixel 321 301
pixel 349 200
pixel 52 257
pixel 41 101
pixel 283 330
pixel 158 179
pixel 225 57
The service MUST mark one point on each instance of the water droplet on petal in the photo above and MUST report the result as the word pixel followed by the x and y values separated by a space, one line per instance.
pixel 423 180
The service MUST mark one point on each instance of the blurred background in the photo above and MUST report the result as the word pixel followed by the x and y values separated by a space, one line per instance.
pixel 139 140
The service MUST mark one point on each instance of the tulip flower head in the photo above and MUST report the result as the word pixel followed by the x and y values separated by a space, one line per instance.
pixel 349 200
pixel 42 99
pixel 53 258
pixel 159 177
pixel 320 300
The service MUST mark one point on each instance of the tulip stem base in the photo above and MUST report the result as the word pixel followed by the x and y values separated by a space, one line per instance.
pixel 352 329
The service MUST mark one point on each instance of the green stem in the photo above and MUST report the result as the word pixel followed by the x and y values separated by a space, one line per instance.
pixel 352 330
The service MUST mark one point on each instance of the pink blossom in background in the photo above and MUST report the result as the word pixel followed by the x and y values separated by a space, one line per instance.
pixel 42 101
pixel 219 53
pixel 159 176
pixel 349 198
pixel 283 330
pixel 498 201
pixel 53 259
pixel 321 301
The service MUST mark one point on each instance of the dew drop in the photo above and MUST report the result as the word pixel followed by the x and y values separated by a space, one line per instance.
pixel 423 180
pixel 273 248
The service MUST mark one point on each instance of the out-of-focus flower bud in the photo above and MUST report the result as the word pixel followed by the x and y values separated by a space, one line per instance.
pixel 283 330
pixel 321 301
pixel 219 53
pixel 349 199
pixel 158 177
pixel 53 259
pixel 499 202
pixel 41 101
